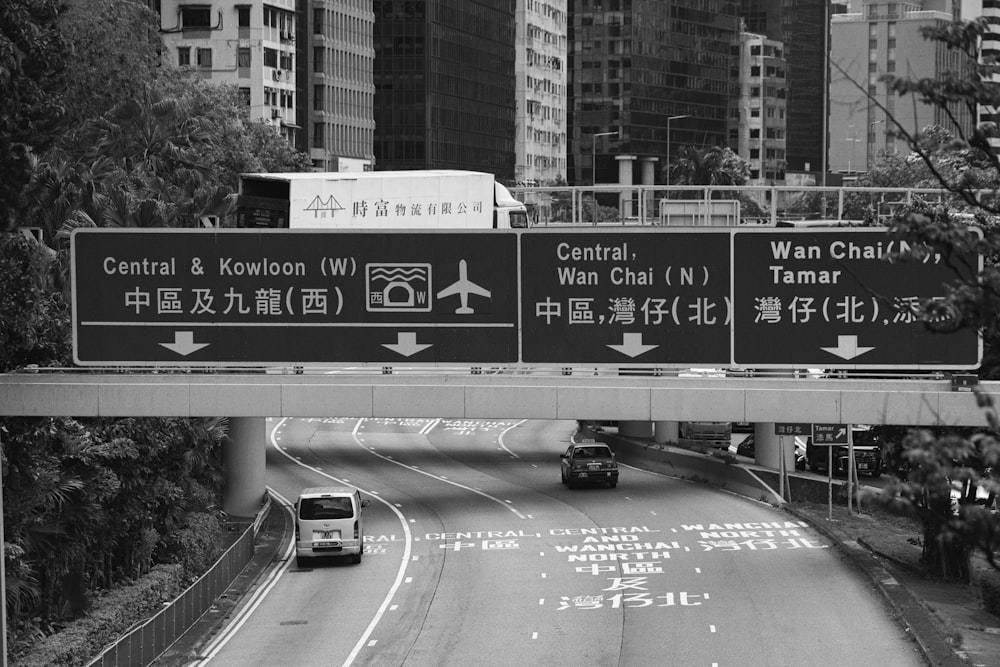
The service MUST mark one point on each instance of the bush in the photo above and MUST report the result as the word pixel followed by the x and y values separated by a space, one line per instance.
pixel 197 545
pixel 990 587
pixel 109 618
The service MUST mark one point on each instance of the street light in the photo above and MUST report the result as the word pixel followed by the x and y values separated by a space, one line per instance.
pixel 871 142
pixel 670 118
pixel 593 155
pixel 854 142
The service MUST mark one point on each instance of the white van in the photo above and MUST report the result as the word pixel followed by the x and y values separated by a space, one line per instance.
pixel 328 522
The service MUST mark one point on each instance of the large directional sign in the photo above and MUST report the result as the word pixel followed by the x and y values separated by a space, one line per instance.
pixel 662 298
pixel 204 297
pixel 770 298
pixel 828 298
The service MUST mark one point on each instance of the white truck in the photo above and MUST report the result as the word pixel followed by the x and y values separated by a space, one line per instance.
pixel 426 199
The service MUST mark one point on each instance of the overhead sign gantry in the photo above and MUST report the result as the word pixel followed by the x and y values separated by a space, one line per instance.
pixel 761 298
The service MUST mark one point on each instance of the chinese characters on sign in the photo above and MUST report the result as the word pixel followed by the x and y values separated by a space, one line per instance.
pixel 717 297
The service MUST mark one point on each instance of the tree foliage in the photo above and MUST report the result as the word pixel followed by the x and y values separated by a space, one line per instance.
pixel 32 103
pixel 942 473
pixel 91 504
pixel 34 320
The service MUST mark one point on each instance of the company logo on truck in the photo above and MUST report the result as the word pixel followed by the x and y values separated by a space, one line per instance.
pixel 323 208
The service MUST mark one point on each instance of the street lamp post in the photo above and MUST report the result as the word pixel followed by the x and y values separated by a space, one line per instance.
pixel 670 118
pixel 593 165
pixel 870 145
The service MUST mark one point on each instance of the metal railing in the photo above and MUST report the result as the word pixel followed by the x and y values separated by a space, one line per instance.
pixel 147 641
pixel 759 205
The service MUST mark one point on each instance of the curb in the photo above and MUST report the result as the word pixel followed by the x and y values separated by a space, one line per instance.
pixel 915 619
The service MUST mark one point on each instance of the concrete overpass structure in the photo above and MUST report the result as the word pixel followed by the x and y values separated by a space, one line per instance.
pixel 647 405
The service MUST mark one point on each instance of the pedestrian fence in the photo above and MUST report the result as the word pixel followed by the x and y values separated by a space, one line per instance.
pixel 148 641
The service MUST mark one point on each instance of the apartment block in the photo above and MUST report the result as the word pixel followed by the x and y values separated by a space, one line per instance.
pixel 541 69
pixel 249 44
pixel 758 125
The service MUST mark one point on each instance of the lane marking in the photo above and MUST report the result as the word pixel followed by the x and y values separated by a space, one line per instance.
pixel 503 433
pixel 403 562
pixel 440 478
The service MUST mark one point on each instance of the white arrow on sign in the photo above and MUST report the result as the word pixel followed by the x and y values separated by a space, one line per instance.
pixel 847 348
pixel 184 343
pixel 841 432
pixel 406 344
pixel 632 345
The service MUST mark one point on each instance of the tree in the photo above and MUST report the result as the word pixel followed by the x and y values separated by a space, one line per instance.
pixel 115 51
pixel 941 471
pixel 34 320
pixel 707 166
pixel 32 57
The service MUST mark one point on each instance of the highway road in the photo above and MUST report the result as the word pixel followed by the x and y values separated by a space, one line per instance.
pixel 477 555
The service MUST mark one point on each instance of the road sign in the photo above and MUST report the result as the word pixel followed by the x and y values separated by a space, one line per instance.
pixel 832 298
pixel 829 434
pixel 635 298
pixel 638 296
pixel 259 297
pixel 792 429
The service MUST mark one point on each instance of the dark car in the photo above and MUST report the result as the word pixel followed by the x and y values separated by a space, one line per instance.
pixel 589 463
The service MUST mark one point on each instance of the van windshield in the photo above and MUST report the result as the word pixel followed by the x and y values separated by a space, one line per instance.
pixel 326 508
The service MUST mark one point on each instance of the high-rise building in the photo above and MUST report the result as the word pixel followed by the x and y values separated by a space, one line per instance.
pixel 303 66
pixel 884 39
pixel 757 129
pixel 444 85
pixel 336 96
pixel 541 91
pixel 653 74
pixel 249 44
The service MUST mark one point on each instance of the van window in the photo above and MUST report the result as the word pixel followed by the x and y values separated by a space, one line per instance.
pixel 326 508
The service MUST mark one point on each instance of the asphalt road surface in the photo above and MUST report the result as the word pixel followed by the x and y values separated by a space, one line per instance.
pixel 476 554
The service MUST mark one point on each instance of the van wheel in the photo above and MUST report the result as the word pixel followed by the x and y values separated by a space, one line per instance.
pixel 302 561
pixel 356 558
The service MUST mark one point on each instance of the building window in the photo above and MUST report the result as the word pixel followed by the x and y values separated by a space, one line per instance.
pixel 318 59
pixel 243 56
pixel 196 16
pixel 318 97
pixel 184 56
pixel 243 16
pixel 755 91
pixel 270 57
pixel 245 96
pixel 204 57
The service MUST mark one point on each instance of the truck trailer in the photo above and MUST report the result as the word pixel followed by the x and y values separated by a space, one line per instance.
pixel 424 199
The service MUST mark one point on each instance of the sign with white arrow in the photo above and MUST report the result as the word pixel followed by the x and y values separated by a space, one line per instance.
pixel 829 434
pixel 214 297
pixel 632 297
pixel 641 296
pixel 797 291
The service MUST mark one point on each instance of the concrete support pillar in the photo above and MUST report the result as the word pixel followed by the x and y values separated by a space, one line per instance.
pixel 243 461
pixel 647 176
pixel 768 447
pixel 625 178
pixel 635 429
pixel 664 432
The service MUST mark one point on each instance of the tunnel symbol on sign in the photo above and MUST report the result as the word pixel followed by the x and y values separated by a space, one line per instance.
pixel 398 287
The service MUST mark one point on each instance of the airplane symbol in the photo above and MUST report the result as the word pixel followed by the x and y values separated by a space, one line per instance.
pixel 463 287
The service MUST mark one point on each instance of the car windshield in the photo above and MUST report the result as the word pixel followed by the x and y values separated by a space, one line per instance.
pixel 326 508
pixel 592 453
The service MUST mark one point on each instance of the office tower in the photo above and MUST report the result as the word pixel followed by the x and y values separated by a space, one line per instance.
pixel 444 85
pixel 645 75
